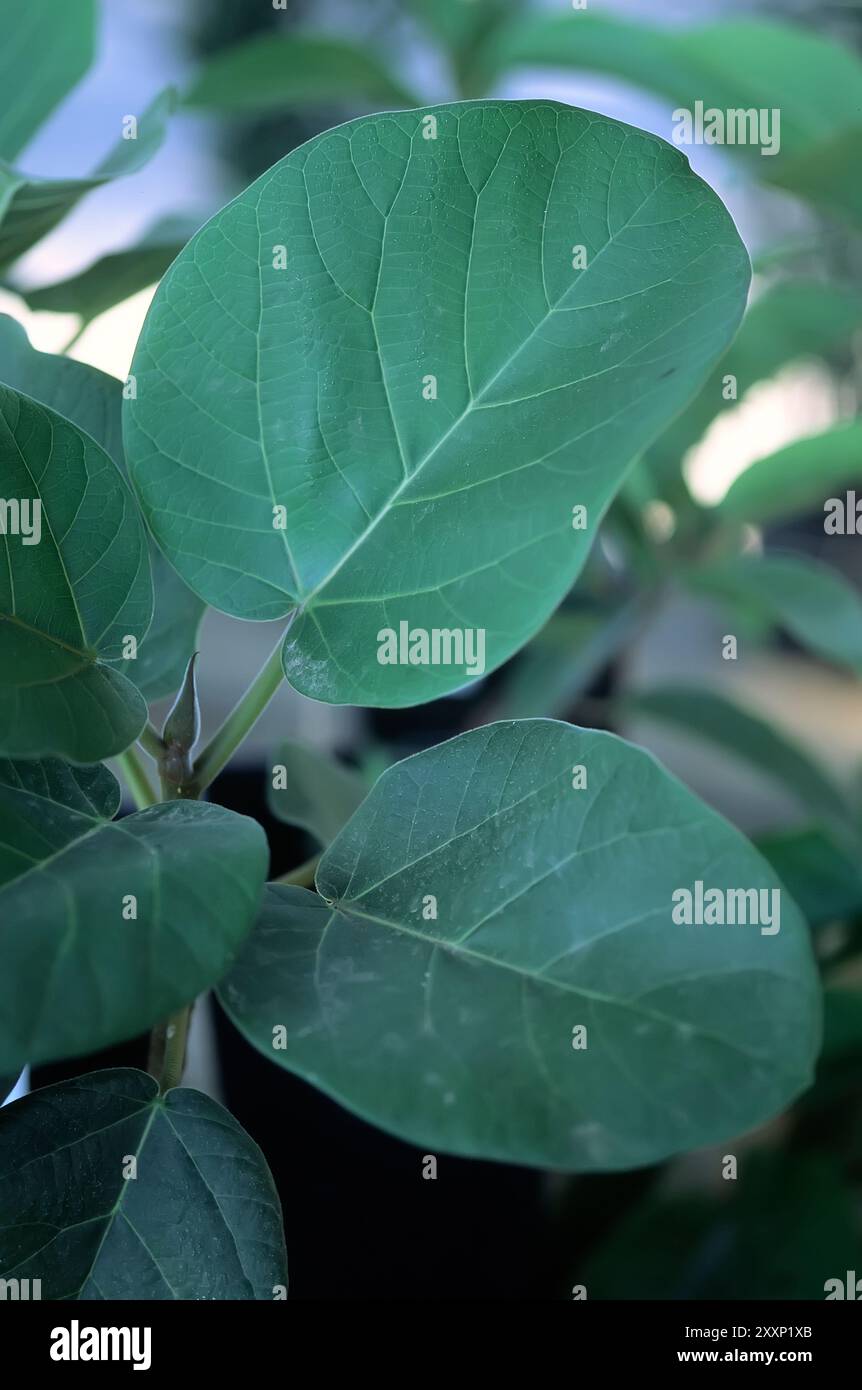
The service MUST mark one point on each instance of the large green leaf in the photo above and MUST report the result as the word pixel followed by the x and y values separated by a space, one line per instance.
pixel 737 731
pixel 792 320
pixel 276 71
pixel 553 910
pixel 319 794
pixel 68 603
pixel 198 1217
pixel 115 277
pixel 798 478
pixel 46 50
pixel 93 790
pixel 737 64
pixel 31 207
pixel 84 966
pixel 813 602
pixel 92 400
pixel 409 259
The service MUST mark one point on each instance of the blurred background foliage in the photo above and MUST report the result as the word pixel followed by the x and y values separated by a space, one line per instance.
pixel 720 528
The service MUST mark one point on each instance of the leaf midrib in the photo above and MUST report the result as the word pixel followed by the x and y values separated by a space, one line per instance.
pixel 348 911
pixel 307 599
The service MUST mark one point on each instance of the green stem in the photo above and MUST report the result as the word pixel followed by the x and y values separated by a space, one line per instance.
pixel 137 780
pixel 167 1057
pixel 240 721
pixel 151 742
pixel 303 875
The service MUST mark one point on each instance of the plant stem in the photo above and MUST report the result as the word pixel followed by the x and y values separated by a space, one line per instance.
pixel 240 721
pixel 136 779
pixel 151 742
pixel 168 1049
pixel 303 876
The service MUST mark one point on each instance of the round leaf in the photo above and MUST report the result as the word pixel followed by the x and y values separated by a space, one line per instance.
pixel 477 910
pixel 375 386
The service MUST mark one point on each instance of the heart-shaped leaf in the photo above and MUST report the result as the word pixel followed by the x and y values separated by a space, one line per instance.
pixel 46 50
pixel 109 927
pixel 75 588
pixel 397 381
pixel 110 1191
pixel 498 964
pixel 92 400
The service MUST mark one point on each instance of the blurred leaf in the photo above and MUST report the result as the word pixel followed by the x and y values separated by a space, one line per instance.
pixel 321 794
pixel 794 319
pixel 814 81
pixel 32 207
pixel 198 1219
pixel 459 22
pixel 842 1025
pixel 476 909
pixel 79 972
pixel 706 715
pixel 91 400
pixel 276 71
pixel 557 668
pixel 780 1231
pixel 46 49
pixel 820 876
pixel 814 603
pixel 92 790
pixel 68 604
pixel 796 479
pixel 112 278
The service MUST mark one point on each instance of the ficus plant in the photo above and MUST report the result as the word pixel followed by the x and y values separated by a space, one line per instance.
pixel 389 395
pixel 379 391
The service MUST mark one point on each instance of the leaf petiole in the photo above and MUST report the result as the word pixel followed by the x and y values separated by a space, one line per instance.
pixel 241 720
pixel 137 780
